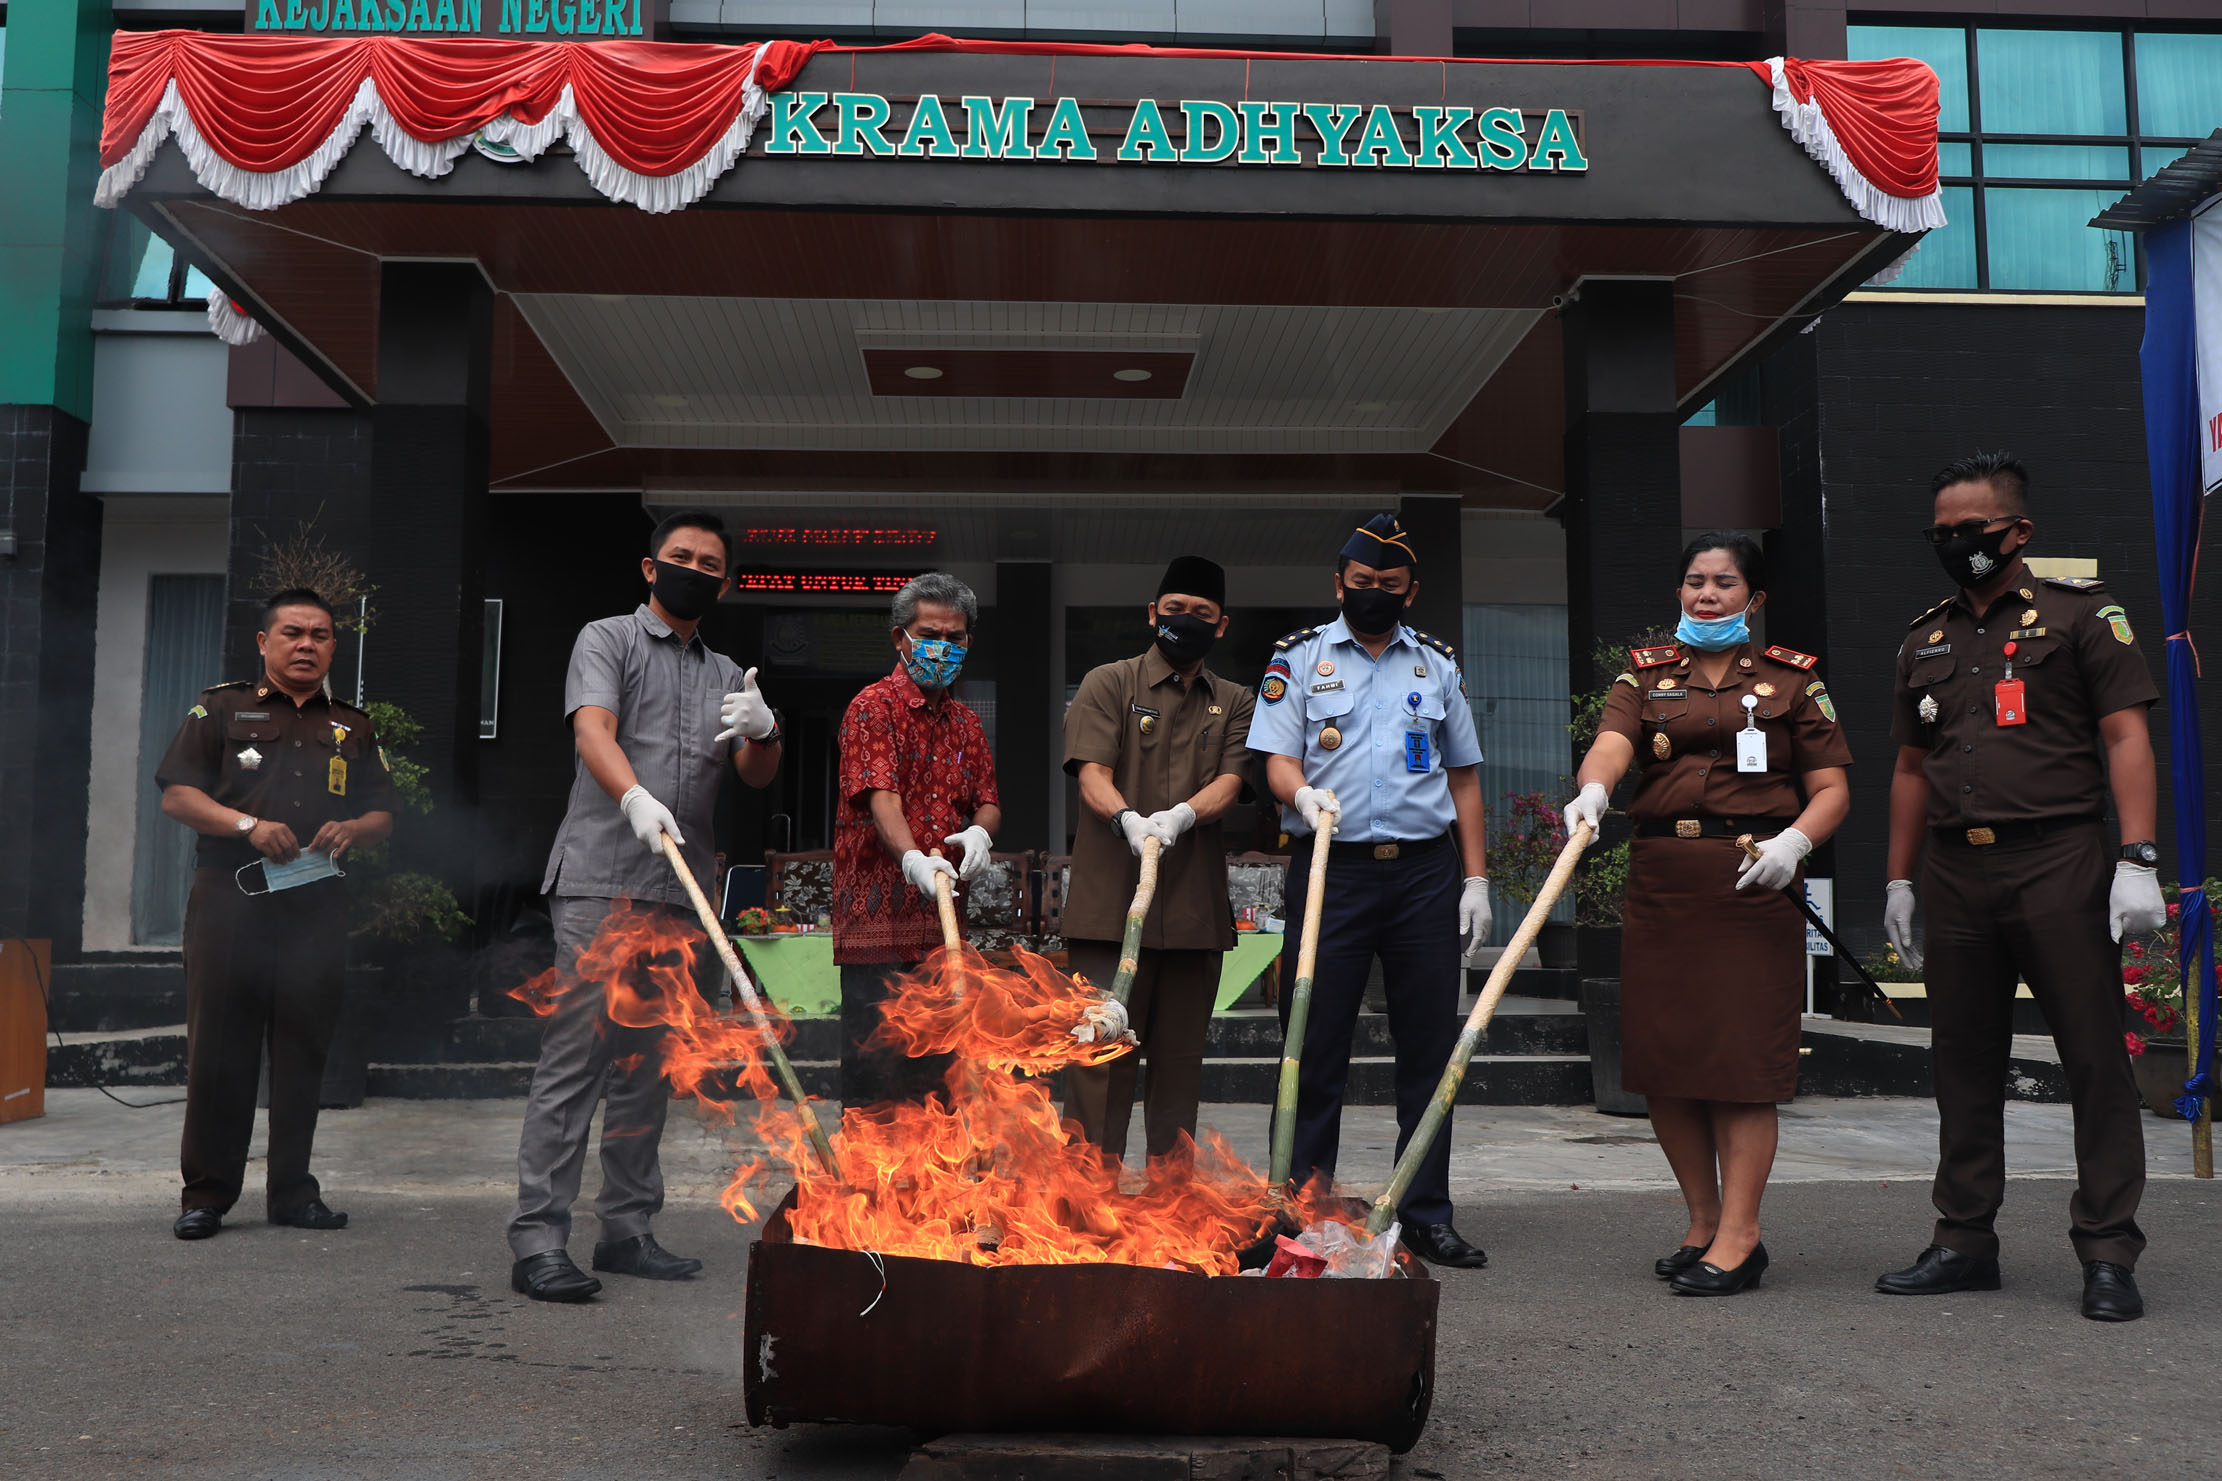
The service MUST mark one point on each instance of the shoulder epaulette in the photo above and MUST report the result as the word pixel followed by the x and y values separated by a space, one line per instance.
pixel 230 684
pixel 1436 643
pixel 1651 658
pixel 1924 617
pixel 1292 639
pixel 2075 583
pixel 1790 656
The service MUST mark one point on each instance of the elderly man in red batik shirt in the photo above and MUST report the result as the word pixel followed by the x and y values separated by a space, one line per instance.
pixel 915 776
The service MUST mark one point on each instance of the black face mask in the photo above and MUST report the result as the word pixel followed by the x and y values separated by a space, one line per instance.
pixel 1970 563
pixel 1184 638
pixel 1369 611
pixel 685 592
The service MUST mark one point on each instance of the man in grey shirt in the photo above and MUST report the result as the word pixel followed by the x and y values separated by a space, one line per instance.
pixel 655 716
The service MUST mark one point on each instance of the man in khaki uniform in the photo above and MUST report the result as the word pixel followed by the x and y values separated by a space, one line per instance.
pixel 1159 745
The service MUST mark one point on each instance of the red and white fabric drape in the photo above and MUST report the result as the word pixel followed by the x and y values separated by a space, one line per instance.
pixel 263 120
pixel 1873 127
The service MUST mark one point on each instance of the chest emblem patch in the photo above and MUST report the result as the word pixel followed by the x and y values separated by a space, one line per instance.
pixel 1325 667
pixel 1927 709
pixel 1330 739
pixel 250 759
pixel 1661 747
pixel 1937 636
pixel 1763 689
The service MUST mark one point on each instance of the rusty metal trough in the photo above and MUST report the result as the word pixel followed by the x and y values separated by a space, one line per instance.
pixel 947 1347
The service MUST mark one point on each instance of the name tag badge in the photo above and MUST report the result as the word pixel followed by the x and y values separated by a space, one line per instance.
pixel 336 777
pixel 1751 750
pixel 1415 751
pixel 1327 688
pixel 1670 694
pixel 2006 699
pixel 1934 650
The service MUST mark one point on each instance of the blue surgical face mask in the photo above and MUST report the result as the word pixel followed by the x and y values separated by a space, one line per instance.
pixel 932 663
pixel 1714 636
pixel 307 868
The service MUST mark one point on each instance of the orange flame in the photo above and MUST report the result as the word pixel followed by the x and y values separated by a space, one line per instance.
pixel 987 1171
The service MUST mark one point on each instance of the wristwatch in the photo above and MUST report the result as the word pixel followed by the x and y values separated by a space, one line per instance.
pixel 2145 853
pixel 771 737
pixel 247 824
pixel 1116 825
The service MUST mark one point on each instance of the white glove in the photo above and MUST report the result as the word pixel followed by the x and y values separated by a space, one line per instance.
pixel 977 847
pixel 920 868
pixel 1170 824
pixel 1311 802
pixel 2135 906
pixel 744 712
pixel 1473 915
pixel 1778 861
pixel 1588 807
pixel 1136 826
pixel 648 817
pixel 1898 922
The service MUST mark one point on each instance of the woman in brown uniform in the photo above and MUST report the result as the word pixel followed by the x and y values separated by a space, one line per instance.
pixel 1714 1048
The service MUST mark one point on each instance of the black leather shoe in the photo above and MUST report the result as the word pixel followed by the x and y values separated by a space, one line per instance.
pixel 2110 1292
pixel 642 1256
pixel 1667 1267
pixel 550 1276
pixel 1939 1272
pixel 1439 1244
pixel 197 1223
pixel 310 1215
pixel 1707 1279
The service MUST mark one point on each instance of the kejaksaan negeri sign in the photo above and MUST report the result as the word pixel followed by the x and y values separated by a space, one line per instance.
pixel 1429 136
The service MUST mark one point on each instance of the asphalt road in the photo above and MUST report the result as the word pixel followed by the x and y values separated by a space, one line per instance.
pixel 394 1348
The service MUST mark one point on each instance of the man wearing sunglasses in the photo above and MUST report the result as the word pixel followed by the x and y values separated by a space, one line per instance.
pixel 2021 703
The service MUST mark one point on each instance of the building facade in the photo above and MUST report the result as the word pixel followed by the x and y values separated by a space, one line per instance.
pixel 151 467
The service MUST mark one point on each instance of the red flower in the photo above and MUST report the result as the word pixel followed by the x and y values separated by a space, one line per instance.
pixel 2174 911
pixel 2132 976
pixel 2135 1045
pixel 2137 950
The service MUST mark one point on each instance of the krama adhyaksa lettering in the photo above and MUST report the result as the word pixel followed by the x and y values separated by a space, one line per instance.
pixel 1428 136
pixel 544 18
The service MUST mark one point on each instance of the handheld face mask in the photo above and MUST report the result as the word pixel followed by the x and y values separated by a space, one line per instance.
pixel 307 868
pixel 932 663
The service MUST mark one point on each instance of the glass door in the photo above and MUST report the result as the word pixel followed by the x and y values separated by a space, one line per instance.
pixel 185 638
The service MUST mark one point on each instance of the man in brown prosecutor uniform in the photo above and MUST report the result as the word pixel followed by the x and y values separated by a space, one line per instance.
pixel 279 780
pixel 2020 702
pixel 1159 745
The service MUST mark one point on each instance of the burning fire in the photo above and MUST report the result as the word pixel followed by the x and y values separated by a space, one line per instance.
pixel 985 1172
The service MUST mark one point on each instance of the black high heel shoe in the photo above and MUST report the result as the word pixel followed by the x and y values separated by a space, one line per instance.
pixel 1706 1279
pixel 1667 1267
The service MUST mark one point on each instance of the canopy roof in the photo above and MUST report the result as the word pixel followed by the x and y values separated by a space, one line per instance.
pixel 768 323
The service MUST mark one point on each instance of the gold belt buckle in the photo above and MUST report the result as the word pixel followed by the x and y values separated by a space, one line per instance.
pixel 1387 850
pixel 1982 837
pixel 1689 828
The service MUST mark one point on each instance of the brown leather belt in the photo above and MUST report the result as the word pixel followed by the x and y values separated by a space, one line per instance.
pixel 1711 827
pixel 1404 850
pixel 1986 834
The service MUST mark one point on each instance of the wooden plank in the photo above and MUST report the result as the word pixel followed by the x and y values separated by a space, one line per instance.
pixel 24 972
pixel 1144 1458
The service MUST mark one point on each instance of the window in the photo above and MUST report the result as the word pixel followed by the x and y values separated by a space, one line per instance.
pixel 142 269
pixel 2040 130
pixel 1514 660
pixel 489 673
pixel 184 655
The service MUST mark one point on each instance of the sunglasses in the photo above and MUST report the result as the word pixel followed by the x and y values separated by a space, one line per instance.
pixel 1966 529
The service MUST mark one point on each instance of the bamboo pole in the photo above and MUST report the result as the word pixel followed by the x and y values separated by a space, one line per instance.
pixel 1469 1039
pixel 1130 945
pixel 1300 1004
pixel 781 1066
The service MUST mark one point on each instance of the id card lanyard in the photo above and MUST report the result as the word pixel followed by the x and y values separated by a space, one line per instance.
pixel 2006 695
pixel 1416 750
pixel 1751 741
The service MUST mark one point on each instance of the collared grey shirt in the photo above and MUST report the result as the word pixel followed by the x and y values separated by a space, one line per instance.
pixel 665 696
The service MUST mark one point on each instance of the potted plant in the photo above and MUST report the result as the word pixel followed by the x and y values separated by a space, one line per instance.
pixel 754 921
pixel 2152 987
pixel 1526 841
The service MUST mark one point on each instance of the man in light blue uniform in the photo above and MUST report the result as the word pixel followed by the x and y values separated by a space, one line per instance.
pixel 1376 714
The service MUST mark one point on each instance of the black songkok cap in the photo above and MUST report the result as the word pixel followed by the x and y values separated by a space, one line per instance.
pixel 1380 543
pixel 1193 576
